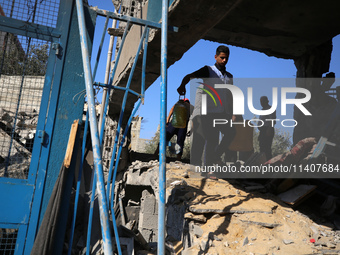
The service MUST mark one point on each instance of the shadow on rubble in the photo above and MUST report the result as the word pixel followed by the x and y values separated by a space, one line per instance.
pixel 184 219
pixel 190 206
pixel 186 212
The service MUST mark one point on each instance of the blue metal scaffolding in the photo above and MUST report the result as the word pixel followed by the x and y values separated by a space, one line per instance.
pixel 106 198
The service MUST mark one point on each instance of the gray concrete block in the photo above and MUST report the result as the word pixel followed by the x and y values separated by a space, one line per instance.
pixel 195 230
pixel 194 250
pixel 148 217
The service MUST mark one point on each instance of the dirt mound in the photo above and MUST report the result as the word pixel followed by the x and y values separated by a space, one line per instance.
pixel 222 218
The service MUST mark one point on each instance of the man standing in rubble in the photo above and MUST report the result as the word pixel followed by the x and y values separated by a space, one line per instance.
pixel 266 135
pixel 205 137
pixel 181 133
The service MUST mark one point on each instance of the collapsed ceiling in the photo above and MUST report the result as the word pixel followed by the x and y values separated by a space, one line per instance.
pixel 285 29
pixel 281 28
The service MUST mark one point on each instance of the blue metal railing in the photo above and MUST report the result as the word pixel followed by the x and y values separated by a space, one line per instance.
pixel 162 145
pixel 108 94
pixel 105 201
pixel 84 146
pixel 103 207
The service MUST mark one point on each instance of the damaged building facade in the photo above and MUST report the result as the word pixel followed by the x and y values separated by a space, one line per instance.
pixel 39 106
pixel 286 31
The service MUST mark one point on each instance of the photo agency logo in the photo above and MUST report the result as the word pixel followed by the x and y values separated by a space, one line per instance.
pixel 204 97
pixel 229 122
pixel 238 104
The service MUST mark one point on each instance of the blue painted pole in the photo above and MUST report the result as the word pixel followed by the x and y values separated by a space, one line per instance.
pixel 100 84
pixel 84 145
pixel 162 145
pixel 89 225
pixel 97 158
pixel 100 48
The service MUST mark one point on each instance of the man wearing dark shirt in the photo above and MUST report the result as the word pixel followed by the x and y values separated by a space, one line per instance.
pixel 205 137
pixel 221 57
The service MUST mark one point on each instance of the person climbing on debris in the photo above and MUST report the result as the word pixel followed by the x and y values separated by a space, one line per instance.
pixel 181 133
pixel 205 143
pixel 266 135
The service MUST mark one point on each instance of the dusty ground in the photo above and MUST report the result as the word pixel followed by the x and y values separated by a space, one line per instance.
pixel 229 220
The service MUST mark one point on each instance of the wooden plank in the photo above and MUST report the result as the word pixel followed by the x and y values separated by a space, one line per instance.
pixel 70 144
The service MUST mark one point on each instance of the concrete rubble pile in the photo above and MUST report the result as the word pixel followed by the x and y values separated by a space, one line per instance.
pixel 22 141
pixel 216 216
pixel 19 112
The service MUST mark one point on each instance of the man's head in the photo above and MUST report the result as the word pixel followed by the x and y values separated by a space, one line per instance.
pixel 222 55
pixel 264 101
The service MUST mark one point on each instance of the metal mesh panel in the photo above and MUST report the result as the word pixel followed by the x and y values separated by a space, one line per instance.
pixel 42 12
pixel 23 62
pixel 8 238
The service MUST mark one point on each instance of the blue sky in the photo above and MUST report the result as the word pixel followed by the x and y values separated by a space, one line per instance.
pixel 243 63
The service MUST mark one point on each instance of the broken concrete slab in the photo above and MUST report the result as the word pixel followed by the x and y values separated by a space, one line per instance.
pixel 255 188
pixel 148 217
pixel 231 204
pixel 268 221
pixel 194 250
pixel 175 220
pixel 139 177
pixel 195 217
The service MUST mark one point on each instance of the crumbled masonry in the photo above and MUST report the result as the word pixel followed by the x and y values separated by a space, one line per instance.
pixel 217 216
